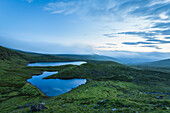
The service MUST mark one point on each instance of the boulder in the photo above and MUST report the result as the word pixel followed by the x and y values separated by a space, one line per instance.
pixel 101 102
pixel 38 107
pixel 20 106
pixel 160 97
pixel 114 109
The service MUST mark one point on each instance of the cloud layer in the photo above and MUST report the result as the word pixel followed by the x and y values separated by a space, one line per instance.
pixel 87 26
pixel 148 20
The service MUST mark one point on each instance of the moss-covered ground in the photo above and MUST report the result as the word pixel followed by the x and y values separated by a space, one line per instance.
pixel 110 87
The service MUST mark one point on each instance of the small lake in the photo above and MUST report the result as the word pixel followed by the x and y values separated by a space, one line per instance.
pixel 54 87
pixel 55 63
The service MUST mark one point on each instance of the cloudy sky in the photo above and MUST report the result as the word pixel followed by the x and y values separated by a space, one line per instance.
pixel 118 28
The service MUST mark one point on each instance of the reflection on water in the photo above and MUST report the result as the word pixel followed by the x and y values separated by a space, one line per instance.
pixel 55 63
pixel 54 87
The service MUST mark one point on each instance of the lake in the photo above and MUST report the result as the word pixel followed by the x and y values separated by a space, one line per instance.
pixel 54 87
pixel 55 63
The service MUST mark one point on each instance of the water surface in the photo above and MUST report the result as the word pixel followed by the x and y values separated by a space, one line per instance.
pixel 55 63
pixel 54 87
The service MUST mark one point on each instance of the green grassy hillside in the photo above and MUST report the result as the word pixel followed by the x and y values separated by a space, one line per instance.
pixel 111 87
pixel 9 54
pixel 161 63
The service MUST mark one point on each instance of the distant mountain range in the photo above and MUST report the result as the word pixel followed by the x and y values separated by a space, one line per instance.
pixel 161 63
pixel 87 57
pixel 132 61
pixel 8 54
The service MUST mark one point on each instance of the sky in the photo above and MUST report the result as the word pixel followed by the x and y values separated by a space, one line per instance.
pixel 118 28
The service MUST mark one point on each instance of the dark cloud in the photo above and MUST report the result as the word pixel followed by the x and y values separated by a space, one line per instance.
pixel 152 11
pixel 109 35
pixel 159 41
pixel 162 25
pixel 145 43
pixel 130 43
pixel 137 33
pixel 150 41
pixel 167 37
pixel 137 43
pixel 134 3
pixel 166 32
pixel 145 35
pixel 151 34
pixel 110 44
pixel 151 46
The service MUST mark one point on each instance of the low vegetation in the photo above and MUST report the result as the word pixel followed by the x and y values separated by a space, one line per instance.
pixel 162 65
pixel 111 87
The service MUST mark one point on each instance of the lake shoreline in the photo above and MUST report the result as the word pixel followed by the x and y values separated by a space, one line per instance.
pixel 53 87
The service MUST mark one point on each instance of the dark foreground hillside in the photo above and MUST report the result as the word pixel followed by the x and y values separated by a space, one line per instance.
pixel 111 87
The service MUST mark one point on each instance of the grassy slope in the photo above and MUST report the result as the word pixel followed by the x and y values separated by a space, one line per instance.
pixel 124 88
pixel 162 65
pixel 13 76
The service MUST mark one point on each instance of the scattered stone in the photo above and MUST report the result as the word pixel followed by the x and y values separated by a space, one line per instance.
pixel 107 100
pixel 118 95
pixel 158 105
pixel 27 105
pixel 86 90
pixel 95 85
pixel 114 109
pixel 168 97
pixel 140 92
pixel 160 97
pixel 20 106
pixel 165 108
pixel 31 103
pixel 38 107
pixel 101 102
pixel 96 106
pixel 84 105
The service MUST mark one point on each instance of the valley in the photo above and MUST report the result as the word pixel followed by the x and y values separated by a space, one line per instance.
pixel 110 87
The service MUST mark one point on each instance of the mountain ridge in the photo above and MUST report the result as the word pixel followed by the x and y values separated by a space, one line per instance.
pixel 6 53
pixel 160 63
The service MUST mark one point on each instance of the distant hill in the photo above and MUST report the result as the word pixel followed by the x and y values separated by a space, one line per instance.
pixel 133 61
pixel 161 63
pixel 87 57
pixel 9 54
